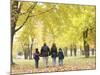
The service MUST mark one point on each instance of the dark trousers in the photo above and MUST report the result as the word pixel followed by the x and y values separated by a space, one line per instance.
pixel 36 63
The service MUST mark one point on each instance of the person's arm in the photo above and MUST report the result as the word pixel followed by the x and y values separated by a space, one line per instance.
pixel 63 55
pixel 49 51
pixel 41 51
pixel 56 50
pixel 33 55
pixel 58 54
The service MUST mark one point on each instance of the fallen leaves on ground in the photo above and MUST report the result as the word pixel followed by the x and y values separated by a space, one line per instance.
pixel 69 65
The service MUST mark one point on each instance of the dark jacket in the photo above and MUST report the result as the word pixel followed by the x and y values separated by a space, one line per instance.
pixel 60 55
pixel 45 51
pixel 53 52
pixel 36 56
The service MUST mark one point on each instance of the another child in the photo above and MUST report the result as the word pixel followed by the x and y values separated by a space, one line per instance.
pixel 36 57
pixel 61 57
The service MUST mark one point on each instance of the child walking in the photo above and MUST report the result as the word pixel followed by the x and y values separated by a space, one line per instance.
pixel 36 57
pixel 60 57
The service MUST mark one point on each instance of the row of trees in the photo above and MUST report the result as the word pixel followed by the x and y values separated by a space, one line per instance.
pixel 68 52
pixel 77 52
pixel 36 23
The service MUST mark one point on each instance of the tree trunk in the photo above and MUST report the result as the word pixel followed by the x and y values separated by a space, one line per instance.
pixel 25 57
pixel 13 25
pixel 82 52
pixel 75 51
pixel 25 54
pixel 86 45
pixel 12 37
pixel 30 52
pixel 66 51
pixel 86 50
pixel 71 51
pixel 93 51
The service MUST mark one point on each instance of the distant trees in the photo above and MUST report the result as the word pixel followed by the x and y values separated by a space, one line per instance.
pixel 60 23
pixel 75 50
pixel 66 51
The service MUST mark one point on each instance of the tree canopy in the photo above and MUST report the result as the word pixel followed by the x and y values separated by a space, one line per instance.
pixel 63 24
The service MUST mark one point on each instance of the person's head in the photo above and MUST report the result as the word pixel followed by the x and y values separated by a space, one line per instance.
pixel 36 50
pixel 44 44
pixel 53 44
pixel 60 50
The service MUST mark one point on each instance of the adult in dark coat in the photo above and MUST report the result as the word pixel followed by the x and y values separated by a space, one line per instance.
pixel 54 53
pixel 45 52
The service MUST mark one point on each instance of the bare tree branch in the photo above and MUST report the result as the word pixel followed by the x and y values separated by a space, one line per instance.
pixel 18 11
pixel 25 12
pixel 30 10
pixel 42 12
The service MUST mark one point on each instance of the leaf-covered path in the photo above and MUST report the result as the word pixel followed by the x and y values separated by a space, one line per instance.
pixel 70 63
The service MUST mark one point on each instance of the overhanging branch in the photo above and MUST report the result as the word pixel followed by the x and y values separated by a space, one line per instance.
pixel 42 12
pixel 30 10
pixel 26 11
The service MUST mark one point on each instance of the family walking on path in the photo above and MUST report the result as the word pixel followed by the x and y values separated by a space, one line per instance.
pixel 46 52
